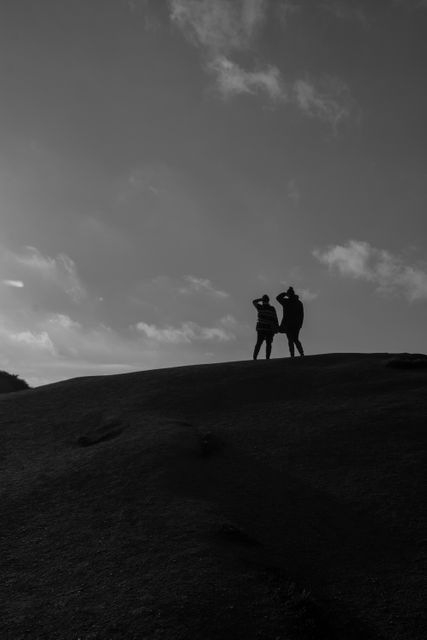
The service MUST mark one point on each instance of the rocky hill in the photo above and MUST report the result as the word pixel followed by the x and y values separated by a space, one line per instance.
pixel 278 499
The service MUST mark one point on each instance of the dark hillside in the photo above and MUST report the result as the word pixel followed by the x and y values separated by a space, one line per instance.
pixel 10 382
pixel 277 499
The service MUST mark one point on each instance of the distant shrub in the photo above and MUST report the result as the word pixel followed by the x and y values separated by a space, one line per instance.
pixel 10 382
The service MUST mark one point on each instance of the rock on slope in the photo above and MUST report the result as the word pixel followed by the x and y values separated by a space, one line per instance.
pixel 275 499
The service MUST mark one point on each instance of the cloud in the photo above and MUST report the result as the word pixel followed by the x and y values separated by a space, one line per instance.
pixel 60 271
pixel 44 347
pixel 330 100
pixel 223 26
pixel 307 295
pixel 153 293
pixel 45 337
pixel 388 272
pixel 140 181
pixel 219 25
pixel 36 340
pixel 13 283
pixel 201 285
pixel 233 80
pixel 189 332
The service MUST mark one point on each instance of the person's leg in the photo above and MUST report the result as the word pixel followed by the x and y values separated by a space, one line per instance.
pixel 298 343
pixel 291 344
pixel 268 344
pixel 260 340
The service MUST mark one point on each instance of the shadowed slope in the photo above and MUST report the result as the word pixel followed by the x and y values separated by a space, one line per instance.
pixel 184 503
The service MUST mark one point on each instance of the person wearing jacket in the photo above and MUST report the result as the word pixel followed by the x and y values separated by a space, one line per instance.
pixel 293 318
pixel 267 325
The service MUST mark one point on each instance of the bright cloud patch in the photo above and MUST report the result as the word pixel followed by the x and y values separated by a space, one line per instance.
pixel 189 332
pixel 233 80
pixel 46 347
pixel 329 101
pixel 201 285
pixel 45 336
pixel 60 271
pixel 219 25
pixel 36 340
pixel 43 345
pixel 388 272
pixel 307 295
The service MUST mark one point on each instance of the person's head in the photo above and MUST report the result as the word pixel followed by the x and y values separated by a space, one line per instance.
pixel 290 292
pixel 265 299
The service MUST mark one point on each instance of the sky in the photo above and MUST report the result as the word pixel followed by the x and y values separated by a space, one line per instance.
pixel 165 162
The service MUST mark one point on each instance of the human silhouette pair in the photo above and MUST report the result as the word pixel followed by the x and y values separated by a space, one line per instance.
pixel 268 324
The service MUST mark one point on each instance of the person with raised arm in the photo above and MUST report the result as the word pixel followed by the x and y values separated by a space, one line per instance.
pixel 267 325
pixel 293 318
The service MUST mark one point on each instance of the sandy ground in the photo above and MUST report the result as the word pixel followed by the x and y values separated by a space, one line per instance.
pixel 277 499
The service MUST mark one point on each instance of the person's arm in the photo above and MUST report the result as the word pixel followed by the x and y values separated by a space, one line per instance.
pixel 281 298
pixel 257 303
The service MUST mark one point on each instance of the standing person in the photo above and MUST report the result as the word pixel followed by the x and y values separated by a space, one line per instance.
pixel 266 326
pixel 293 317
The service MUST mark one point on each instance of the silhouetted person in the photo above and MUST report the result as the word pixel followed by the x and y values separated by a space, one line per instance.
pixel 293 317
pixel 266 326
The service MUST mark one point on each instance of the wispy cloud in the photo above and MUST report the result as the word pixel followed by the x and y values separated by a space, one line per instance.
pixel 307 295
pixel 330 100
pixel 44 336
pixel 234 80
pixel 43 347
pixel 189 332
pixel 39 341
pixel 201 285
pixel 388 272
pixel 60 271
pixel 220 25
